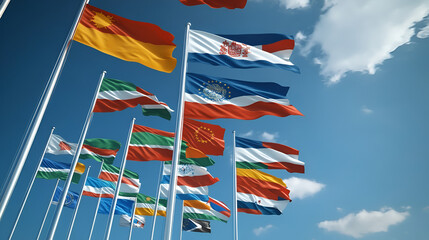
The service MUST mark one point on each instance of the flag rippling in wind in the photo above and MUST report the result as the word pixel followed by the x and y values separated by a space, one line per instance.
pixel 230 4
pixel 117 95
pixel 130 182
pixel 71 198
pixel 50 169
pixel 206 137
pixel 146 206
pixel 124 206
pixel 253 154
pixel 194 225
pixel 95 187
pixel 212 98
pixel 216 50
pixel 211 210
pixel 125 221
pixel 126 39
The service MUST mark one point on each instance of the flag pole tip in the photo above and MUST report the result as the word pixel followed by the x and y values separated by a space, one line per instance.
pixel 189 24
pixel 53 128
pixel 104 72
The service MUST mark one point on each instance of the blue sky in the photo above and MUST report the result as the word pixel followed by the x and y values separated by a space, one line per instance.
pixel 362 90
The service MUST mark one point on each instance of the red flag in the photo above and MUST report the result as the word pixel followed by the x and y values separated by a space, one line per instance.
pixel 205 137
pixel 231 4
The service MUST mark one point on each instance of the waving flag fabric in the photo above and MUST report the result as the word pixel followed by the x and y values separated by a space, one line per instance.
pixel 253 154
pixel 205 137
pixel 125 221
pixel 146 206
pixel 95 187
pixel 130 182
pixel 116 95
pixel 126 39
pixel 58 146
pixel 100 149
pixel 216 50
pixel 260 193
pixel 50 169
pixel 212 97
pixel 211 210
pixel 230 4
pixel 148 144
pixel 71 198
pixel 124 206
pixel 194 225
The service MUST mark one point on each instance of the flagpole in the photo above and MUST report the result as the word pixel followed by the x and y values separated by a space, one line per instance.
pixel 38 115
pixel 118 183
pixel 181 221
pixel 27 193
pixel 98 203
pixel 177 143
pixel 59 209
pixel 47 211
pixel 77 205
pixel 3 7
pixel 155 211
pixel 132 219
pixel 234 175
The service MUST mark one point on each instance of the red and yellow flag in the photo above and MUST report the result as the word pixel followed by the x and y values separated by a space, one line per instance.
pixel 208 138
pixel 126 39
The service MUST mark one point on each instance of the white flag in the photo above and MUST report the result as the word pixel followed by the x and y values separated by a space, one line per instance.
pixel 125 221
pixel 57 145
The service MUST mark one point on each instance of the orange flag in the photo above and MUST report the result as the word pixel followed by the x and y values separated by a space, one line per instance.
pixel 126 39
pixel 205 137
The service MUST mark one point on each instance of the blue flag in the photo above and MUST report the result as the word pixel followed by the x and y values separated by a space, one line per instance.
pixel 71 199
pixel 123 206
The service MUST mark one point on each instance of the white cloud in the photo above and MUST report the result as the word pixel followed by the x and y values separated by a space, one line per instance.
pixel 294 4
pixel 426 208
pixel 258 231
pixel 424 32
pixel 269 136
pixel 366 110
pixel 364 222
pixel 340 209
pixel 358 36
pixel 247 134
pixel 301 188
pixel 317 61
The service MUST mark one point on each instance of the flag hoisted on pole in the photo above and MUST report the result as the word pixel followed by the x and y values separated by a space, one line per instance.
pixel 74 163
pixel 38 115
pixel 177 143
pixel 234 194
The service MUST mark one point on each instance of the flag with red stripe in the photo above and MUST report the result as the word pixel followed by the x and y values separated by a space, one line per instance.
pixel 130 182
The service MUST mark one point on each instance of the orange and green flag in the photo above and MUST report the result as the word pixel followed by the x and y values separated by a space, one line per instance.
pixel 126 39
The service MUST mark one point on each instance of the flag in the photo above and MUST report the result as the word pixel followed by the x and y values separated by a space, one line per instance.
pixel 95 187
pixel 260 193
pixel 50 169
pixel 100 149
pixel 192 182
pixel 146 206
pixel 148 144
pixel 58 146
pixel 71 198
pixel 125 221
pixel 205 137
pixel 211 210
pixel 124 206
pixel 130 182
pixel 212 97
pixel 194 225
pixel 253 154
pixel 126 39
pixel 116 95
pixel 216 50
pixel 230 4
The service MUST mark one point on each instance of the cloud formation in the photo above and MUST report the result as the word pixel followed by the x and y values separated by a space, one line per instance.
pixel 358 36
pixel 258 231
pixel 269 136
pixel 301 188
pixel 364 222
pixel 294 4
pixel 424 32
pixel 366 110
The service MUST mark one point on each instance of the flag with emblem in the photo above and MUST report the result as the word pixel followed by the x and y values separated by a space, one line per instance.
pixel 210 210
pixel 95 187
pixel 194 225
pixel 254 154
pixel 217 50
pixel 71 198
pixel 206 137
pixel 130 182
pixel 50 169
pixel 260 193
pixel 125 221
pixel 212 98
pixel 58 146
pixel 146 206
pixel 117 95
pixel 149 144
pixel 126 39
pixel 230 4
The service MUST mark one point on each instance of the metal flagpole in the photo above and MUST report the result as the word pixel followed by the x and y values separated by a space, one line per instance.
pixel 177 143
pixel 77 205
pixel 155 211
pixel 59 209
pixel 98 204
pixel 234 175
pixel 27 193
pixel 38 115
pixel 181 222
pixel 118 183
pixel 3 7
pixel 47 211
pixel 132 219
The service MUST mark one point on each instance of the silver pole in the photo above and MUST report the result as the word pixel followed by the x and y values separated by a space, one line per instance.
pixel 47 211
pixel 181 222
pixel 132 220
pixel 59 209
pixel 77 205
pixel 234 194
pixel 37 117
pixel 98 204
pixel 155 211
pixel 27 193
pixel 118 183
pixel 3 7
pixel 177 143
